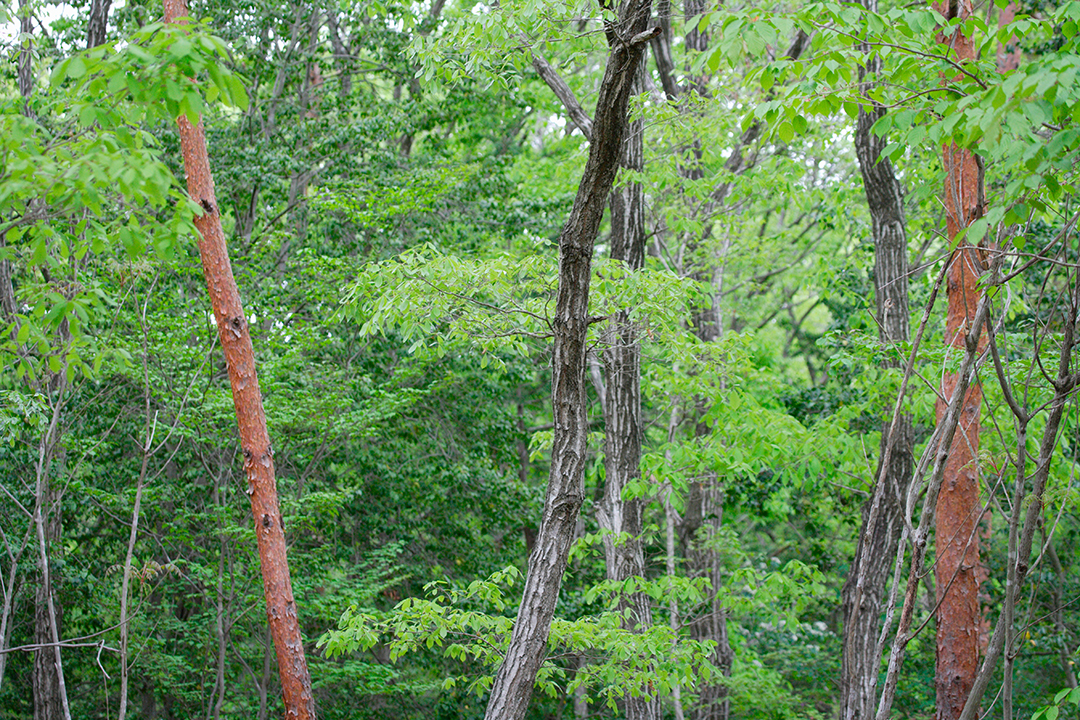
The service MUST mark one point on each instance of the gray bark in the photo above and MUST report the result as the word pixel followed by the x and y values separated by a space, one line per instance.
pixel 623 552
pixel 50 691
pixel 862 606
pixel 25 61
pixel 514 681
pixel 713 702
pixel 96 26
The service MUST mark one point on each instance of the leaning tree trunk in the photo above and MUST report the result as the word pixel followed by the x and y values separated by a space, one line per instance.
pixel 247 399
pixel 623 552
pixel 528 642
pixel 864 589
pixel 958 506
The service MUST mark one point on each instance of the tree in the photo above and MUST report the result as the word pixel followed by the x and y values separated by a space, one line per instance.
pixel 627 38
pixel 233 332
pixel 394 195
pixel 959 508
pixel 619 384
pixel 883 514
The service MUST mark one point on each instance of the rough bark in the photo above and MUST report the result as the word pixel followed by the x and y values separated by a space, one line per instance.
pixel 703 559
pixel 1020 560
pixel 1009 55
pixel 247 400
pixel 622 518
pixel 661 50
pixel 514 681
pixel 864 590
pixel 557 85
pixel 958 506
pixel 25 60
pixel 96 26
pixel 621 373
pixel 47 678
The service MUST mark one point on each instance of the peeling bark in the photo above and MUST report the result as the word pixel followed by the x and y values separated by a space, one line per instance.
pixel 958 505
pixel 247 400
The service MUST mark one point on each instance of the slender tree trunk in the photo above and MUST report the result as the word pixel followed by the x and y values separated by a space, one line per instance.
pixel 25 61
pixel 217 699
pixel 623 552
pixel 267 676
pixel 581 703
pixel 1009 54
pixel 125 620
pixel 50 690
pixel 671 520
pixel 864 591
pixel 1029 502
pixel 713 702
pixel 247 399
pixel 149 427
pixel 1057 597
pixel 14 554
pixel 958 506
pixel 702 524
pixel 514 681
pixel 50 693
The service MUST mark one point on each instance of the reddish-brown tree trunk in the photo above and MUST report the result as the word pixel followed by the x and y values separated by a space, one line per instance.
pixel 247 399
pixel 958 506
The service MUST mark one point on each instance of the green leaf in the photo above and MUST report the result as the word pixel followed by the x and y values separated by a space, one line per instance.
pixel 181 48
pixel 977 231
pixel 76 68
pixel 40 249
pixel 785 132
pixel 88 115
pixel 237 93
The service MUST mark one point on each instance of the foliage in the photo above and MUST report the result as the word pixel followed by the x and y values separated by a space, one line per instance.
pixel 393 178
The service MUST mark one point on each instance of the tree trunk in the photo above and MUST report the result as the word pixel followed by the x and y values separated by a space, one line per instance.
pixel 247 400
pixel 958 506
pixel 528 642
pixel 49 689
pixel 96 26
pixel 864 590
pixel 713 701
pixel 25 61
pixel 623 552
pixel 50 693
